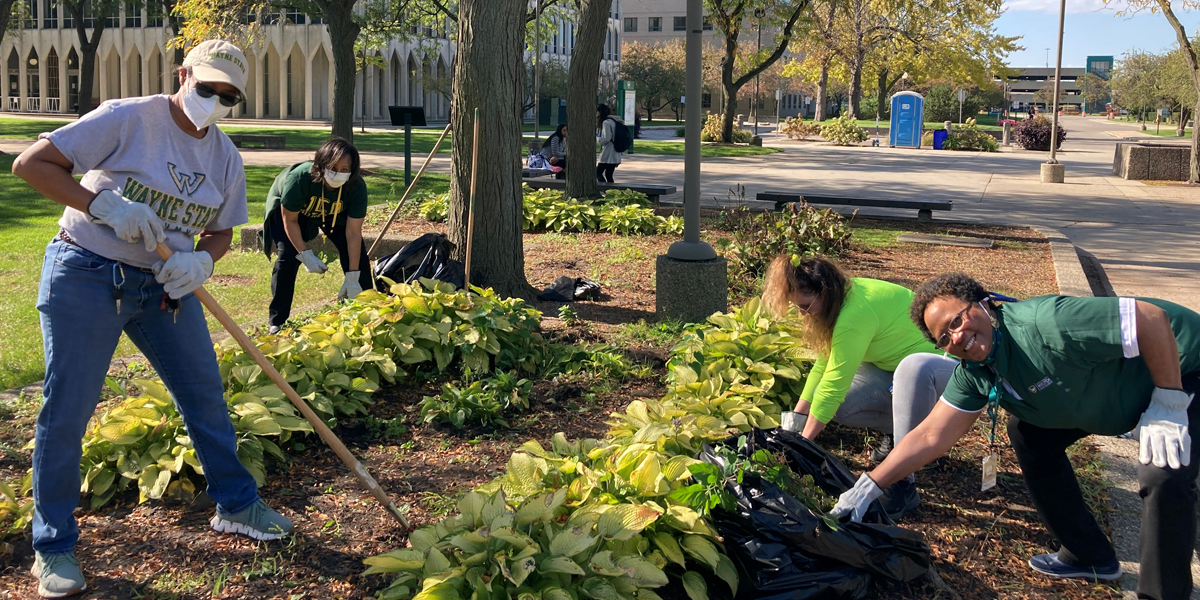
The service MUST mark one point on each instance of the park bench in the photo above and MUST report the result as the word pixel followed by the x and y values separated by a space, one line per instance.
pixel 270 142
pixel 654 192
pixel 924 208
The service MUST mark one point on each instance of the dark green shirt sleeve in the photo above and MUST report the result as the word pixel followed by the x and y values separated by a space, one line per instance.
pixel 295 193
pixel 1081 331
pixel 964 392
pixel 355 199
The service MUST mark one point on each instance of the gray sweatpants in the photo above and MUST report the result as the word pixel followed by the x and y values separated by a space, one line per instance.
pixel 896 402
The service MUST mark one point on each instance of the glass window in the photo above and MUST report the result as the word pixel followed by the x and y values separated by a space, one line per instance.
pixel 707 24
pixel 655 24
pixel 706 100
pixel 50 16
pixel 133 16
pixel 294 16
pixel 680 23
pixel 154 14
pixel 630 24
pixel 31 6
pixel 113 20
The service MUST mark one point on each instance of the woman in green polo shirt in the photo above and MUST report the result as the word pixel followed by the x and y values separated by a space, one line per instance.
pixel 326 194
pixel 874 368
pixel 1065 368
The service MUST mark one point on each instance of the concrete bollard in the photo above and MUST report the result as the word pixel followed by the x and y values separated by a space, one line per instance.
pixel 1007 134
pixel 1053 172
pixel 949 126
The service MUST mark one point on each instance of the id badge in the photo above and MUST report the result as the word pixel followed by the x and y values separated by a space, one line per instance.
pixel 990 463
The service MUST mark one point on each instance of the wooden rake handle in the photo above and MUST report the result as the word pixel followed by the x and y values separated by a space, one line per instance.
pixel 322 430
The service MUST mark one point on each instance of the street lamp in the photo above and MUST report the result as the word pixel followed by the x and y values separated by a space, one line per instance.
pixel 1052 171
pixel 537 72
pixel 758 14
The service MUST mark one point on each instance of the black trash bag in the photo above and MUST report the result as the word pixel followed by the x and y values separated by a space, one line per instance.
pixel 570 289
pixel 427 256
pixel 786 552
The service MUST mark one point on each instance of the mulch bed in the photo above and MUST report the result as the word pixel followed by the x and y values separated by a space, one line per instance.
pixel 156 550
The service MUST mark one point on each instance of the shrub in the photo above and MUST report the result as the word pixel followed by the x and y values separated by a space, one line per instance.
pixel 870 108
pixel 1034 134
pixel 628 220
pixel 671 225
pixel 797 129
pixel 481 402
pixel 680 131
pixel 712 131
pixel 927 138
pixel 843 131
pixel 757 238
pixel 626 197
pixel 969 137
pixel 941 103
pixel 572 215
pixel 435 208
pixel 535 205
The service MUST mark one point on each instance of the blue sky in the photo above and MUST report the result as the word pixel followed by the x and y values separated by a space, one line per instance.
pixel 1091 29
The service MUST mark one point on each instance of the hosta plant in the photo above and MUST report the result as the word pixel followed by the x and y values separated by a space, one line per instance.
pixel 435 207
pixel 572 215
pixel 627 197
pixel 16 507
pixel 671 225
pixel 629 219
pixel 535 204
pixel 482 402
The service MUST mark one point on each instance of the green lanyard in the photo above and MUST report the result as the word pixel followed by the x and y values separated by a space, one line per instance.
pixel 993 405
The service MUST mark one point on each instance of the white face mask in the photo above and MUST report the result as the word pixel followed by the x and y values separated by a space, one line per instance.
pixel 334 179
pixel 203 112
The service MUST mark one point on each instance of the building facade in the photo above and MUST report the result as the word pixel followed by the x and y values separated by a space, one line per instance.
pixel 291 69
pixel 1025 84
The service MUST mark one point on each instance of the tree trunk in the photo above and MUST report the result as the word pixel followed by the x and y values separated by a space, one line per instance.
pixel 856 70
pixel 5 16
pixel 1194 165
pixel 731 90
pixel 87 51
pixel 489 76
pixel 881 96
pixel 583 81
pixel 822 93
pixel 339 18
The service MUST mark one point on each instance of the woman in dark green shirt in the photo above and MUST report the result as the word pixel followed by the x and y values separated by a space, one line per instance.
pixel 1065 368
pixel 326 194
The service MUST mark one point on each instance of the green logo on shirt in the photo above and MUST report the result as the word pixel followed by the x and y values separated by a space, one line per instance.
pixel 187 184
pixel 177 214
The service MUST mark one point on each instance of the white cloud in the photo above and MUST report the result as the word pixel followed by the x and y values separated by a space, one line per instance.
pixel 1073 6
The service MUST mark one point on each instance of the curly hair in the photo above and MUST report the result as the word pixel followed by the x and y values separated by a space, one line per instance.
pixel 812 275
pixel 954 285
pixel 328 156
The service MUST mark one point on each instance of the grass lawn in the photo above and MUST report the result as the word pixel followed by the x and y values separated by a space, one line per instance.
pixel 984 123
pixel 241 282
pixel 1169 131
pixel 310 138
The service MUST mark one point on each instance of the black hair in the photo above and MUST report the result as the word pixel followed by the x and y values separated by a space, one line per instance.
pixel 604 112
pixel 558 133
pixel 328 156
pixel 946 285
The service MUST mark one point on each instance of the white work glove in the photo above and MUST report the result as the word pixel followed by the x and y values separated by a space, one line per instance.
pixel 854 501
pixel 793 421
pixel 183 273
pixel 132 221
pixel 1163 429
pixel 350 288
pixel 312 263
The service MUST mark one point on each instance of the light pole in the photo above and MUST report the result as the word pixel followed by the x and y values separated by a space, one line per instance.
pixel 1052 171
pixel 758 14
pixel 537 71
pixel 691 248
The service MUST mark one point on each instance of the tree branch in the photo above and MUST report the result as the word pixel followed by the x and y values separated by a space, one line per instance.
pixel 781 47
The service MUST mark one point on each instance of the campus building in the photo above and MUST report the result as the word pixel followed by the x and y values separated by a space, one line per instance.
pixel 291 69
pixel 1021 87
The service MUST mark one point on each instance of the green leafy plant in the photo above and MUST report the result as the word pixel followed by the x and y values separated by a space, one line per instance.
pixel 629 219
pixel 711 131
pixel 435 208
pixel 758 237
pixel 572 215
pixel 627 197
pixel 844 131
pixel 568 315
pixel 968 137
pixel 1034 134
pixel 482 402
pixel 795 128
pixel 536 203
pixel 670 225
pixel 16 506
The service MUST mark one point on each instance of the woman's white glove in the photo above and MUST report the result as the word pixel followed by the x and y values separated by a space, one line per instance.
pixel 313 264
pixel 793 421
pixel 350 288
pixel 132 221
pixel 183 273
pixel 854 501
pixel 1163 429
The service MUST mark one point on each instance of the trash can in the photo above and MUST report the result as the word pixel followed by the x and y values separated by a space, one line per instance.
pixel 939 138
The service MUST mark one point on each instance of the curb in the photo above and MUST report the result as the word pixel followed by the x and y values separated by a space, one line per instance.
pixel 1068 270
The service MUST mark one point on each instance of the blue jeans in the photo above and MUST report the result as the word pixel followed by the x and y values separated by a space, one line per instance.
pixel 80 331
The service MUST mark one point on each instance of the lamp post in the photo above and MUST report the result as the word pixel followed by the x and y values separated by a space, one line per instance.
pixel 537 71
pixel 691 248
pixel 1052 171
pixel 758 14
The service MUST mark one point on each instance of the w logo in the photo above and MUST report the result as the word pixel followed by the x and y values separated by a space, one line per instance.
pixel 187 184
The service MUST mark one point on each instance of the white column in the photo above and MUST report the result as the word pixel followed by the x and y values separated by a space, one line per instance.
pixel 145 58
pixel 64 85
pixel 283 87
pixel 43 82
pixel 259 83
pixel 124 78
pixel 308 89
pixel 329 90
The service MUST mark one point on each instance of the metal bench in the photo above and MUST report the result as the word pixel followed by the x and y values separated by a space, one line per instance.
pixel 270 142
pixel 924 208
pixel 654 192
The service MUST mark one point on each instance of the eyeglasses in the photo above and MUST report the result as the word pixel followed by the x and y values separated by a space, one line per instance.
pixel 955 325
pixel 807 309
pixel 207 91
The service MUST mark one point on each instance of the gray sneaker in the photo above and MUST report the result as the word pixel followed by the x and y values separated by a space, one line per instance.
pixel 58 575
pixel 260 522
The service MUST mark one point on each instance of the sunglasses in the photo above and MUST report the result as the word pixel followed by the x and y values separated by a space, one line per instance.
pixel 955 325
pixel 207 91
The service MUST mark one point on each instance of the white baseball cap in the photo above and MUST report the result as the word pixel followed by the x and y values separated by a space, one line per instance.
pixel 218 61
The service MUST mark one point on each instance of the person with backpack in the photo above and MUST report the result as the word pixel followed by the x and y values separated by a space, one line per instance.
pixel 554 150
pixel 326 194
pixel 614 139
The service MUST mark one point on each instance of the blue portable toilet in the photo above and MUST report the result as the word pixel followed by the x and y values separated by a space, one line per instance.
pixel 908 117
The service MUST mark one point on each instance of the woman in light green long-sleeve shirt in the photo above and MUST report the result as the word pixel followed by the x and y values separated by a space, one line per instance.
pixel 875 369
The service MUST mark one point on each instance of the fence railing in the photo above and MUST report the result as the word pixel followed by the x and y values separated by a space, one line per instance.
pixel 33 105
pixel 54 105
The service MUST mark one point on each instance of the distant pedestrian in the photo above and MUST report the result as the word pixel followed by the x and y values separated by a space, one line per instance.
pixel 610 155
pixel 554 150
pixel 637 125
